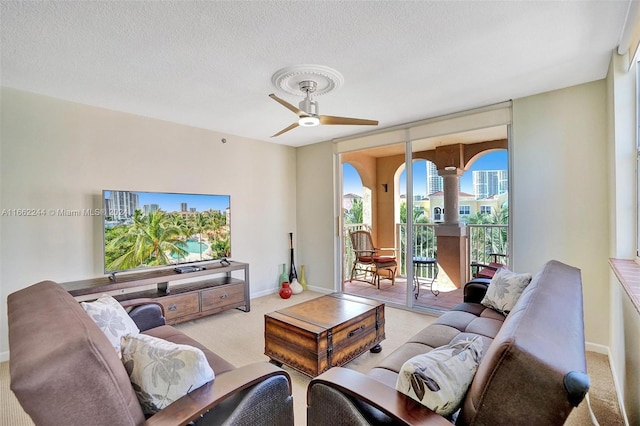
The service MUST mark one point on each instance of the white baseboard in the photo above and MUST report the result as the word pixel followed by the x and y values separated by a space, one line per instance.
pixel 616 385
pixel 4 356
pixel 605 350
pixel 597 348
pixel 275 290
pixel 319 289
pixel 263 293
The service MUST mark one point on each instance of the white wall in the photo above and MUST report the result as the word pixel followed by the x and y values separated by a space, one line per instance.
pixel 60 155
pixel 560 184
pixel 315 214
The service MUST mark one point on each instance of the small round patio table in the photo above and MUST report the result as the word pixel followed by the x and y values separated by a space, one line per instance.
pixel 426 263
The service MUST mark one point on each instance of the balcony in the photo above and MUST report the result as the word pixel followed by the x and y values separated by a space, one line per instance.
pixel 484 239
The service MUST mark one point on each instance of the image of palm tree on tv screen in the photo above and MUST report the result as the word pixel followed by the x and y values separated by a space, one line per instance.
pixel 155 237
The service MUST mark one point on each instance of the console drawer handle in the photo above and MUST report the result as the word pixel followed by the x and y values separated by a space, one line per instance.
pixel 173 307
pixel 224 296
pixel 356 331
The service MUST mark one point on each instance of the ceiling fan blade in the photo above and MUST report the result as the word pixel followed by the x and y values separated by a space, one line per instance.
pixel 287 105
pixel 329 119
pixel 293 126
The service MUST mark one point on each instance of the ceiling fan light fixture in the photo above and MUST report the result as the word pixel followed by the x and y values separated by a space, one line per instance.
pixel 309 121
pixel 308 85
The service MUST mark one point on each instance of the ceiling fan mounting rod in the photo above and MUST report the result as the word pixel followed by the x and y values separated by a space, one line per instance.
pixel 308 86
pixel 308 105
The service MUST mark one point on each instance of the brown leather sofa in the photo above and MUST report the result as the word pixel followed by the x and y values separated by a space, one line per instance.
pixel 533 369
pixel 64 371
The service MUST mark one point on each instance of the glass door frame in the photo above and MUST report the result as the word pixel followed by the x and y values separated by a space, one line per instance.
pixel 339 274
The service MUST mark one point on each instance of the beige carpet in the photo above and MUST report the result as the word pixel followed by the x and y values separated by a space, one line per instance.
pixel 239 337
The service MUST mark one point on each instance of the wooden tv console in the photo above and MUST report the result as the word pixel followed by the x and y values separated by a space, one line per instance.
pixel 185 296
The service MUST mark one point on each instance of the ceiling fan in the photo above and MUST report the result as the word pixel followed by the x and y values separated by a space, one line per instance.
pixel 308 111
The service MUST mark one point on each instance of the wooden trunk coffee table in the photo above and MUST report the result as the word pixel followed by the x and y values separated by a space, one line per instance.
pixel 325 332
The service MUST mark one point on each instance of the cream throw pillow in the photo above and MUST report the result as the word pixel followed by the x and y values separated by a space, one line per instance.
pixel 161 371
pixel 505 290
pixel 111 318
pixel 440 379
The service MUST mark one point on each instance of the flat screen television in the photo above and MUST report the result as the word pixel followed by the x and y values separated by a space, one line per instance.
pixel 157 229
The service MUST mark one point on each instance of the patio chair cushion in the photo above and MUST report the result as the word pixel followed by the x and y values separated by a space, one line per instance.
pixel 384 260
pixel 377 259
pixel 490 270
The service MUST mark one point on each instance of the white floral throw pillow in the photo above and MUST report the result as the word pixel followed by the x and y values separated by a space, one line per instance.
pixel 439 379
pixel 505 290
pixel 161 371
pixel 111 318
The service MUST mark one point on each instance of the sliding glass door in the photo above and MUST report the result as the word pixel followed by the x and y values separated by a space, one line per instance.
pixel 436 194
pixel 372 197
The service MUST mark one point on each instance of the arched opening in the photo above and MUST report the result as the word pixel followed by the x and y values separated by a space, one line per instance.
pixel 441 166
pixel 357 209
pixel 356 198
pixel 487 215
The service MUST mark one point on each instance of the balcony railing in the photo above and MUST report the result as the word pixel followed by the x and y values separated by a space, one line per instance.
pixel 483 241
pixel 424 244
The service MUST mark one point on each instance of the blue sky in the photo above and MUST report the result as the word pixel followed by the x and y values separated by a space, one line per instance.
pixel 496 160
pixel 171 202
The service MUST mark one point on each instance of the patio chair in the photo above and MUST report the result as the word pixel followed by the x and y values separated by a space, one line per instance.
pixel 483 270
pixel 367 258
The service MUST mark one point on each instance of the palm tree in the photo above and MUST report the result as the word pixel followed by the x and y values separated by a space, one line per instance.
pixel 354 215
pixel 176 220
pixel 149 241
pixel 423 236
pixel 492 242
pixel 500 216
pixel 201 222
pixel 221 248
pixel 218 234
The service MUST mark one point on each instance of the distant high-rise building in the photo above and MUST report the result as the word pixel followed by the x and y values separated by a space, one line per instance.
pixel 123 203
pixel 434 182
pixel 183 207
pixel 150 208
pixel 108 206
pixel 490 182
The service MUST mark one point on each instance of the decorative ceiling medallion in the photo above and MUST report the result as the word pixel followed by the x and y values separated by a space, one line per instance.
pixel 288 79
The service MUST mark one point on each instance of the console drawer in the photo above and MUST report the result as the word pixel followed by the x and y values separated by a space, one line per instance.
pixel 218 297
pixel 180 305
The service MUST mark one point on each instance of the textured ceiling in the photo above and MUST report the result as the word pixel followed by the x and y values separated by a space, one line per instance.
pixel 209 64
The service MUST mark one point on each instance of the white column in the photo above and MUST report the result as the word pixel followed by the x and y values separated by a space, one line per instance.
pixel 451 183
pixel 452 235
